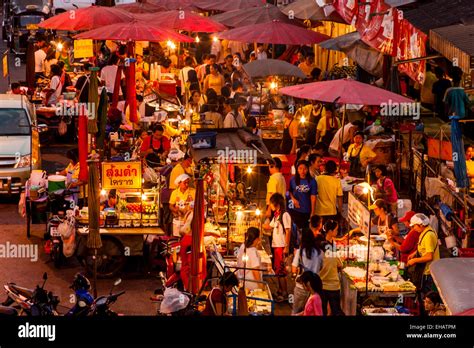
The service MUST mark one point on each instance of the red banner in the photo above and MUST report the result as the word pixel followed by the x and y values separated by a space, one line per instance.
pixel 384 29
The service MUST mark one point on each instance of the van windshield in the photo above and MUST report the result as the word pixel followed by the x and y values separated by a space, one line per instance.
pixel 14 122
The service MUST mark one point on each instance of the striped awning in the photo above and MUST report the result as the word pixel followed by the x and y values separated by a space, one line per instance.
pixel 455 42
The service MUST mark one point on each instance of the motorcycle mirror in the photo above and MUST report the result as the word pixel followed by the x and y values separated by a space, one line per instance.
pixel 117 282
pixel 45 276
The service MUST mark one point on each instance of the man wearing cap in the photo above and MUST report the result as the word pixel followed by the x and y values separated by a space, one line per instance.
pixel 183 167
pixel 408 245
pixel 427 249
pixel 384 220
pixel 181 202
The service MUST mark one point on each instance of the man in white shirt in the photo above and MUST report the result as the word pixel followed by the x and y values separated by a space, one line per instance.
pixel 349 130
pixel 233 119
pixel 55 86
pixel 260 53
pixel 108 74
pixel 183 77
pixel 40 56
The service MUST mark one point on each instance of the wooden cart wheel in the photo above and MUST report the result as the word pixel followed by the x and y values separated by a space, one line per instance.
pixel 110 258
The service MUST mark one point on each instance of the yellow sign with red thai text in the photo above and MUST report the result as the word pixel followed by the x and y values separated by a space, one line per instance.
pixel 121 175
pixel 83 48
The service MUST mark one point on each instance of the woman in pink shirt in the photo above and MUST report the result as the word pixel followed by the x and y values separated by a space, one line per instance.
pixel 314 285
pixel 386 189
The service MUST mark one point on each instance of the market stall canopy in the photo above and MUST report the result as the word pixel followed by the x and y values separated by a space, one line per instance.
pixel 274 32
pixel 226 5
pixel 344 91
pixel 134 31
pixel 86 18
pixel 454 278
pixel 273 67
pixel 175 4
pixel 140 7
pixel 304 9
pixel 183 20
pixel 455 41
pixel 232 139
pixel 365 56
pixel 253 16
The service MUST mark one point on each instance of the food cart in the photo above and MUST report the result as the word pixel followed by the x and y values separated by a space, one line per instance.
pixel 125 228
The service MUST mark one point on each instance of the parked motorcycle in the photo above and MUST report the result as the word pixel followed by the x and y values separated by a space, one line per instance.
pixel 37 302
pixel 101 305
pixel 84 300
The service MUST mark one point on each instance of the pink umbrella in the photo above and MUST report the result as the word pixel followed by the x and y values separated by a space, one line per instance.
pixel 344 91
pixel 86 18
pixel 274 32
pixel 183 20
pixel 252 16
pixel 134 31
pixel 226 5
pixel 140 7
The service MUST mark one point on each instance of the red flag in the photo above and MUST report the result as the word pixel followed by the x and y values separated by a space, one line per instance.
pixel 83 172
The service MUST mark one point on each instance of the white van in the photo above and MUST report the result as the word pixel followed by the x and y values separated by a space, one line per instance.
pixel 19 142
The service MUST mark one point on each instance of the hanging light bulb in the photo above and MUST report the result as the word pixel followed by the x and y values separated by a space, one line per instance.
pixel 197 39
pixel 303 119
pixel 215 39
pixel 103 192
pixel 249 170
pixel 257 212
pixel 59 46
pixel 143 197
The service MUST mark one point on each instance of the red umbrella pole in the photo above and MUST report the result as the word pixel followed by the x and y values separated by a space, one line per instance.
pixel 197 249
pixel 131 84
pixel 83 145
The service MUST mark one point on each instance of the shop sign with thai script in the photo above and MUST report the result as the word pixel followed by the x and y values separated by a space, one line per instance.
pixel 121 175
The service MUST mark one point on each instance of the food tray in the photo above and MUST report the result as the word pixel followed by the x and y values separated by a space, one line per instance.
pixel 390 311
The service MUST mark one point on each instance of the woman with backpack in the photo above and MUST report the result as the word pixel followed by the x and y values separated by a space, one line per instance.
pixel 281 225
pixel 308 257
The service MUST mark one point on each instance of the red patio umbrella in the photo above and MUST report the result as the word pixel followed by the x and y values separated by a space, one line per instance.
pixel 344 91
pixel 140 7
pixel 274 32
pixel 86 18
pixel 183 20
pixel 134 31
pixel 226 5
pixel 252 16
pixel 175 4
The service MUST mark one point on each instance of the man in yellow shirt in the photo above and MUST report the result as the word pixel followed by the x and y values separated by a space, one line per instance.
pixel 276 183
pixel 329 199
pixel 183 167
pixel 427 251
pixel 328 124
pixel 470 166
pixel 181 202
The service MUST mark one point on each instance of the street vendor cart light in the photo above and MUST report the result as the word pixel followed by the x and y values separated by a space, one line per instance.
pixel 365 190
pixel 274 85
pixel 257 212
pixel 143 197
pixel 249 170
pixel 103 192
pixel 303 119
pixel 197 39
pixel 171 45
pixel 59 46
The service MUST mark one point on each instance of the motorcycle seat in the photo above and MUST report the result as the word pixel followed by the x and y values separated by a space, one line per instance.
pixel 8 311
pixel 25 292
